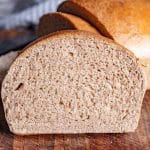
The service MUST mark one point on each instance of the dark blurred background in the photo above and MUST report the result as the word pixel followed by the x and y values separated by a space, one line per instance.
pixel 19 20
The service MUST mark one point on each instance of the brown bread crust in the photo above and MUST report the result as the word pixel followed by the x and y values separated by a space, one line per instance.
pixel 58 21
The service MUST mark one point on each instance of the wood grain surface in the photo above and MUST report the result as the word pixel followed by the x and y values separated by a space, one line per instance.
pixel 140 140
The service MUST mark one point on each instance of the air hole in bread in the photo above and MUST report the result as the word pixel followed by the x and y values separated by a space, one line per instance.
pixel 55 91
pixel 6 111
pixel 71 54
pixel 69 104
pixel 61 103
pixel 124 117
pixel 5 99
pixel 19 86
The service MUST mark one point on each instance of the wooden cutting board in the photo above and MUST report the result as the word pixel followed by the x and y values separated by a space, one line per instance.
pixel 140 140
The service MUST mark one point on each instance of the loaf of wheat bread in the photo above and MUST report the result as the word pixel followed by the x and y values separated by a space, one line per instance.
pixel 125 21
pixel 58 21
pixel 73 82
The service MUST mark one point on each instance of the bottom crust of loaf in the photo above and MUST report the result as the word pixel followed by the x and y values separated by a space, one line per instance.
pixel 32 129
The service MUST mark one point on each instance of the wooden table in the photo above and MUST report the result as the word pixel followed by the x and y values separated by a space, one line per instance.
pixel 140 140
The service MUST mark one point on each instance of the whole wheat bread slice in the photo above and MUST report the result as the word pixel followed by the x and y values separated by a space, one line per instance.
pixel 58 21
pixel 73 82
pixel 125 21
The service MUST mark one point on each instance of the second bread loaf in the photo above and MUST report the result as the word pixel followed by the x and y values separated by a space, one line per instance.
pixel 53 22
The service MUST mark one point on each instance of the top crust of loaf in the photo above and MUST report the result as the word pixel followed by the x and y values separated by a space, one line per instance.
pixel 128 16
pixel 58 21
pixel 74 7
pixel 129 24
pixel 75 33
pixel 78 22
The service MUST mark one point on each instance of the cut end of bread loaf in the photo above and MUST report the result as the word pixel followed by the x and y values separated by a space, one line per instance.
pixel 132 31
pixel 73 82
pixel 58 21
